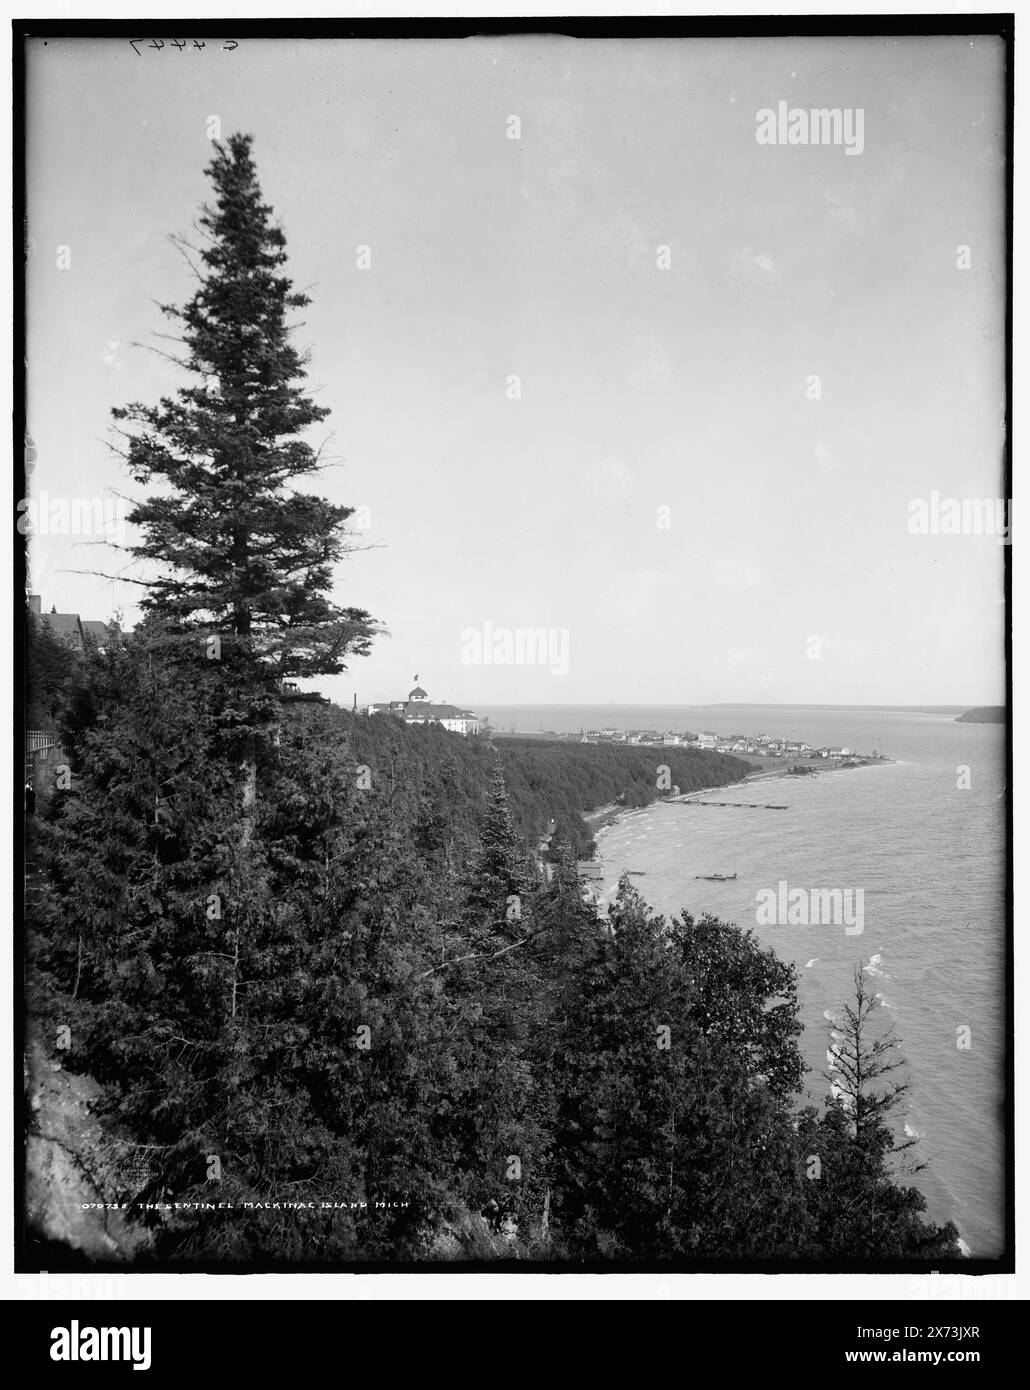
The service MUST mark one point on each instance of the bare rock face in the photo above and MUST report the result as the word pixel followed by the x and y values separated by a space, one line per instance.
pixel 75 1173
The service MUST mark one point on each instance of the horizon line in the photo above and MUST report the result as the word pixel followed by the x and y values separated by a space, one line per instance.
pixel 735 704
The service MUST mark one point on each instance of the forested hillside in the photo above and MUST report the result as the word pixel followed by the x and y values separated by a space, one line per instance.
pixel 983 714
pixel 545 779
pixel 564 779
pixel 396 1008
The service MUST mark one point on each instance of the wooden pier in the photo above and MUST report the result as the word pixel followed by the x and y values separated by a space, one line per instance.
pixel 740 805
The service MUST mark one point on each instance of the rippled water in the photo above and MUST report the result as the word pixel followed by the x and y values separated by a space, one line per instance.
pixel 931 861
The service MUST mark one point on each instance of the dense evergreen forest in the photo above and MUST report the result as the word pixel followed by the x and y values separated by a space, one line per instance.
pixel 546 780
pixel 560 781
pixel 399 1006
pixel 323 982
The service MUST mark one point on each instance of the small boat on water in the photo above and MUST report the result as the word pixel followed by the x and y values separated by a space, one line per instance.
pixel 716 878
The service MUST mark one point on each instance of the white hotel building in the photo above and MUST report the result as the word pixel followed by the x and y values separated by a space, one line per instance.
pixel 419 709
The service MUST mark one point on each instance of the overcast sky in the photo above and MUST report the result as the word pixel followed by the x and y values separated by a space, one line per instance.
pixel 686 388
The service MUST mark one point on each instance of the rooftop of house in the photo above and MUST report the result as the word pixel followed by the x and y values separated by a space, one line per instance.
pixel 67 626
pixel 424 710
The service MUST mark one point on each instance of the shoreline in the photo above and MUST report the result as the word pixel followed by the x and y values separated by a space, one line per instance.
pixel 939 1186
pixel 601 818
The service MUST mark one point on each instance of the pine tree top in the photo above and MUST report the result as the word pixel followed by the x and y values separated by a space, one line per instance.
pixel 240 551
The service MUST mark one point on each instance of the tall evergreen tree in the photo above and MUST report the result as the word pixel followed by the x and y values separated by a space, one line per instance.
pixel 861 1207
pixel 243 556
pixel 240 552
pixel 864 1059
pixel 499 881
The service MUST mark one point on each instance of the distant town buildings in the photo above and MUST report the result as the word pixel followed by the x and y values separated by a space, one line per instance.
pixel 746 745
pixel 419 709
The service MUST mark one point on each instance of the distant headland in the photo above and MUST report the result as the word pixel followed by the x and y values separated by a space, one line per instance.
pixel 983 714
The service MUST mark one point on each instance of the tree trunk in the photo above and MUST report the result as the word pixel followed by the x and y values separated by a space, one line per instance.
pixel 248 800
